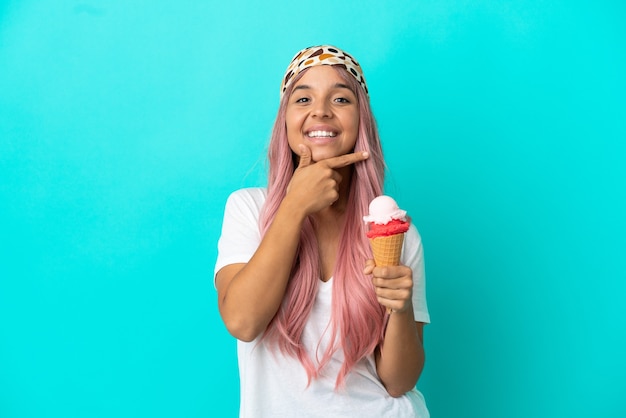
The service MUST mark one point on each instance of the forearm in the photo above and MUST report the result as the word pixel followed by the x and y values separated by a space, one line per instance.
pixel 250 298
pixel 401 358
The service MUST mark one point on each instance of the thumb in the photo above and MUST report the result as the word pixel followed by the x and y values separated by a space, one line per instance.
pixel 305 156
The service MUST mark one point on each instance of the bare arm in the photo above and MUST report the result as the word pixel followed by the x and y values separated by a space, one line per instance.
pixel 400 361
pixel 250 294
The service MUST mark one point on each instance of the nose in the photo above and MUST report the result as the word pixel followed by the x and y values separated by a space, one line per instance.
pixel 321 109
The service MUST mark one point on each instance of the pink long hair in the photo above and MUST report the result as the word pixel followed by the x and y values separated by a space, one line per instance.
pixel 357 319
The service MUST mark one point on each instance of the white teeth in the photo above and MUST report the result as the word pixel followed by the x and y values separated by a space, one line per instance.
pixel 317 134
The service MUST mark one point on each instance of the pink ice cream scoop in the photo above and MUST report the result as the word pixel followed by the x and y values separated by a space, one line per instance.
pixel 385 218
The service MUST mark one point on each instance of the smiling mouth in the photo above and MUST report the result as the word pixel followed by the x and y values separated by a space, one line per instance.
pixel 321 134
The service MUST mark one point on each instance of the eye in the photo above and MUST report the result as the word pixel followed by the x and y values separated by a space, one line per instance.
pixel 342 100
pixel 302 100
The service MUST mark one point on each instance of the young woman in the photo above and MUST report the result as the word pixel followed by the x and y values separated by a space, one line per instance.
pixel 294 275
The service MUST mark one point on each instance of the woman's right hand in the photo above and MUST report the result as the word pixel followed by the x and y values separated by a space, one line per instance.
pixel 315 185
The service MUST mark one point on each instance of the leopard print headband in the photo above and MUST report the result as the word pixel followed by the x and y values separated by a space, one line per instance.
pixel 322 55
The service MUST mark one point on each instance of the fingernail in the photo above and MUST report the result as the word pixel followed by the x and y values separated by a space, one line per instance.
pixel 366 154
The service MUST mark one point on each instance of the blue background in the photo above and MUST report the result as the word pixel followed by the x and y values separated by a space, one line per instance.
pixel 125 125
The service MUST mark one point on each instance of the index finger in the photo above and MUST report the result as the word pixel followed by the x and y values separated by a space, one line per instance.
pixel 345 160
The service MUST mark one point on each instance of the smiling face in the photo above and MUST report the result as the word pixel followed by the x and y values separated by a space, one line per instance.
pixel 322 113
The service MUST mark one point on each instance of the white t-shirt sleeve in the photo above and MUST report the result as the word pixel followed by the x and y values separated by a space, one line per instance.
pixel 413 257
pixel 240 229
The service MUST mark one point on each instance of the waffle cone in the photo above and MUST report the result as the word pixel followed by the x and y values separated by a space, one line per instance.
pixel 387 249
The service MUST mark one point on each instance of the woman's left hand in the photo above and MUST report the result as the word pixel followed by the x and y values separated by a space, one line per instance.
pixel 393 285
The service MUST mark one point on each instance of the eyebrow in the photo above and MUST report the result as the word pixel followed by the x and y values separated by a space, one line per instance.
pixel 335 86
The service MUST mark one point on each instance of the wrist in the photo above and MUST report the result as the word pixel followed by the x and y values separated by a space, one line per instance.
pixel 407 311
pixel 292 210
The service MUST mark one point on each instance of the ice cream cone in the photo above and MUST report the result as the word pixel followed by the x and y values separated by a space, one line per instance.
pixel 387 225
pixel 387 250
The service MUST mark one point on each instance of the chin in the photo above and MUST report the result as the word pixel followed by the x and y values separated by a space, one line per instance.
pixel 322 155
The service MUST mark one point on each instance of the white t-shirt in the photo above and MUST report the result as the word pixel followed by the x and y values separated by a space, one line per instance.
pixel 273 385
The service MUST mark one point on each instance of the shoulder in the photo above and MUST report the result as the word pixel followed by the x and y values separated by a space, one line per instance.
pixel 248 197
